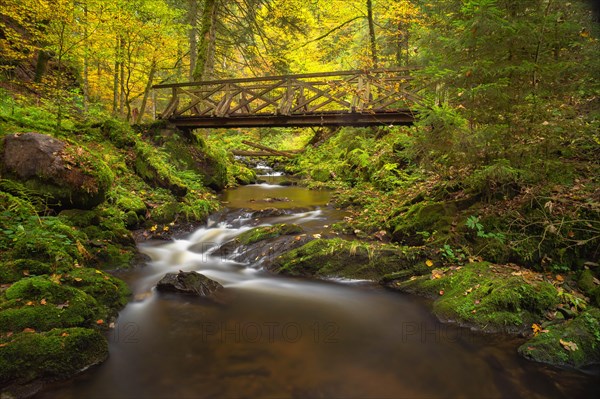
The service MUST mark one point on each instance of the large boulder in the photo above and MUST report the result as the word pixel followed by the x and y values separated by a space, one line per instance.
pixel 68 175
pixel 191 283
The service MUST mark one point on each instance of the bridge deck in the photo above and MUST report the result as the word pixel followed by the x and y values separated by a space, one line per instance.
pixel 349 98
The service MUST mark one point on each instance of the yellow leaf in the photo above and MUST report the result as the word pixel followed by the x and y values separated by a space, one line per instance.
pixel 43 301
pixel 78 279
pixel 560 278
pixel 429 263
pixel 569 345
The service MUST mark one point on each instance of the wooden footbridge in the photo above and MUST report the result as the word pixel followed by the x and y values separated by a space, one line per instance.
pixel 349 98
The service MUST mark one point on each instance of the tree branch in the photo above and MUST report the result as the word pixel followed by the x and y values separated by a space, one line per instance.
pixel 323 36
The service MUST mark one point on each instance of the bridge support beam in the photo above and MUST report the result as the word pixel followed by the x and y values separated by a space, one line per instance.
pixel 405 117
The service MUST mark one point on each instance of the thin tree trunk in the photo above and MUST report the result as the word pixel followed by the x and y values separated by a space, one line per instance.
pixel 86 61
pixel 116 77
pixel 372 37
pixel 59 81
pixel 146 93
pixel 193 36
pixel 122 78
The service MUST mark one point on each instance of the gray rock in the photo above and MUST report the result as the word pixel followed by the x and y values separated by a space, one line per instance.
pixel 191 283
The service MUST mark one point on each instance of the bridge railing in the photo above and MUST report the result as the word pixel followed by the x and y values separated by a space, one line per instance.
pixel 376 91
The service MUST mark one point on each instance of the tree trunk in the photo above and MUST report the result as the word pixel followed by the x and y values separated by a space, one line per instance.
pixel 122 78
pixel 41 65
pixel 193 36
pixel 116 77
pixel 146 93
pixel 206 48
pixel 86 60
pixel 372 37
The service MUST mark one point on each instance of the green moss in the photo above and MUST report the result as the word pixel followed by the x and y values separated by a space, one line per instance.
pixel 321 175
pixel 423 217
pixel 349 259
pixel 209 162
pixel 119 133
pixel 479 296
pixel 151 165
pixel 131 203
pixel 583 331
pixel 242 174
pixel 80 218
pixel 59 353
pixel 106 289
pixel 42 304
pixel 266 232
pixel 49 240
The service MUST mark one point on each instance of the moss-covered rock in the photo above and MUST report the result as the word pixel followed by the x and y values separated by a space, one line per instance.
pixel 266 232
pixel 51 241
pixel 424 217
pixel 573 343
pixel 350 259
pixel 68 174
pixel 41 304
pixel 484 296
pixel 14 270
pixel 59 353
pixel 150 166
pixel 108 291
pixel 587 284
pixel 109 245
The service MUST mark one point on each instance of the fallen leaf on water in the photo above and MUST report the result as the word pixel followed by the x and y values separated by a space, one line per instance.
pixel 568 345
pixel 429 263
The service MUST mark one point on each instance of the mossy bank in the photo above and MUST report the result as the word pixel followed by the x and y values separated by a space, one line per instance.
pixel 59 246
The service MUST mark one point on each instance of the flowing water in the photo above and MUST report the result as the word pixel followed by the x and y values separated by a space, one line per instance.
pixel 280 337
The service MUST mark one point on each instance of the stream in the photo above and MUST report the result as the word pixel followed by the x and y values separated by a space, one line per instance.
pixel 293 338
